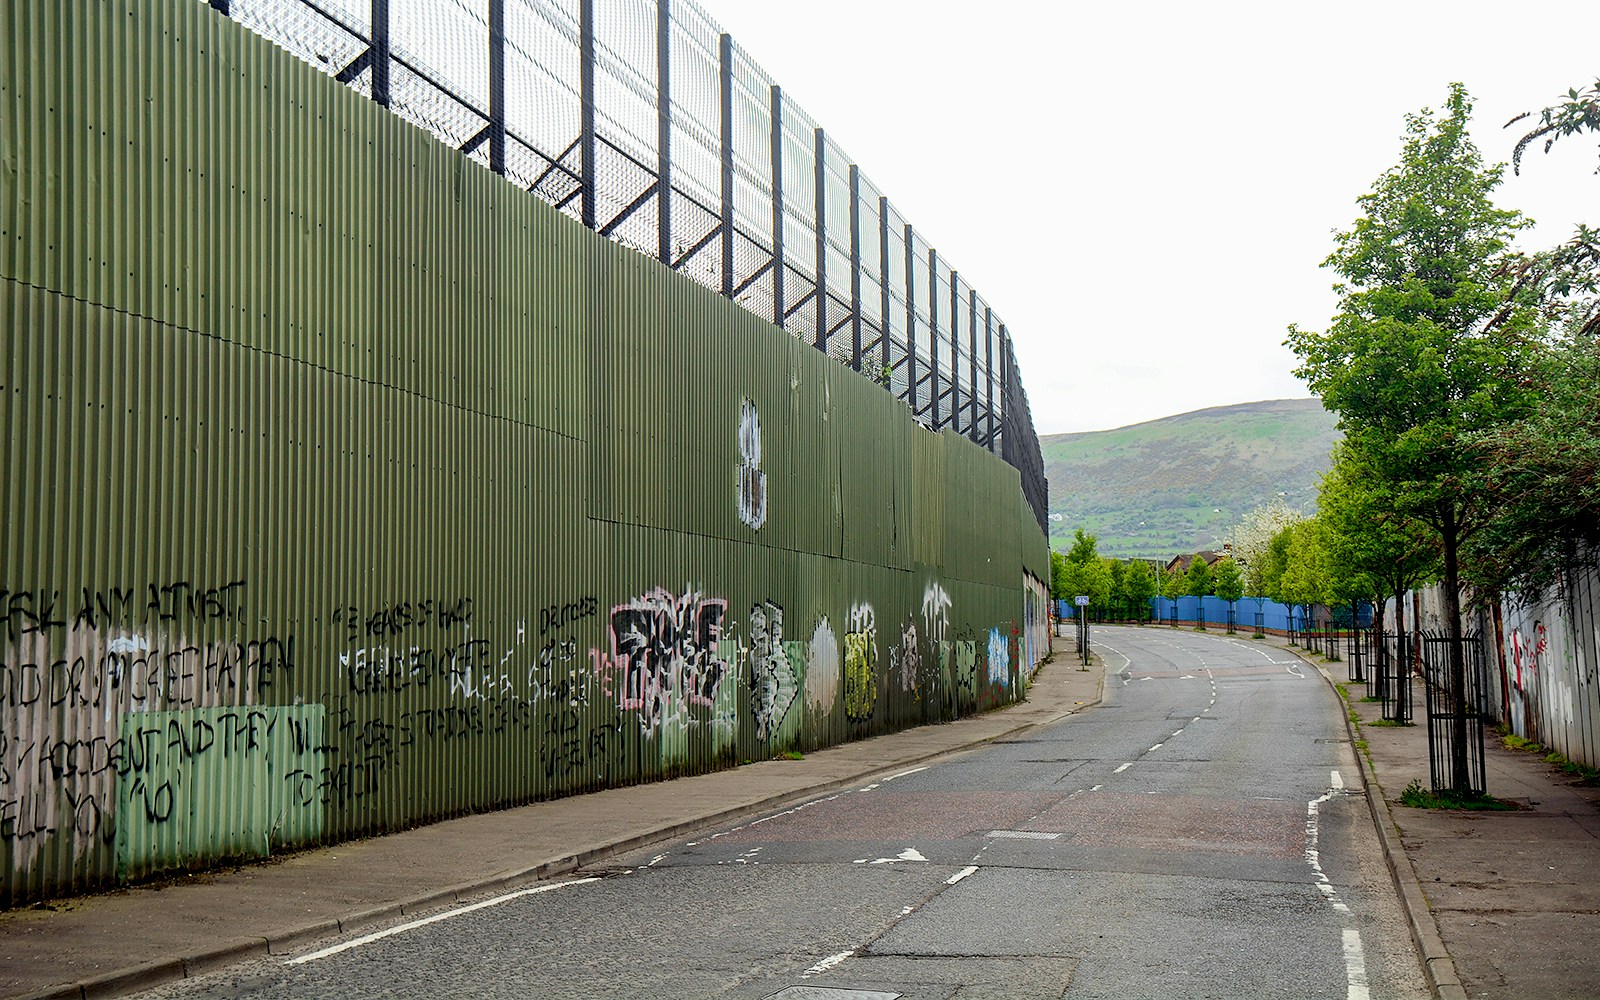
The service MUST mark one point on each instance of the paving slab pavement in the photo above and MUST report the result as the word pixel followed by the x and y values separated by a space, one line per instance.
pixel 115 943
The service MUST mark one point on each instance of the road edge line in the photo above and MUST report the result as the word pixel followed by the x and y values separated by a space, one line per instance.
pixel 1438 967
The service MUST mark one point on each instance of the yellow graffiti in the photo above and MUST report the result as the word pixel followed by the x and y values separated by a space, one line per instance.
pixel 860 675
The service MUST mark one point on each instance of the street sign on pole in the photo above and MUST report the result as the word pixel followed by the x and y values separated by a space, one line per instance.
pixel 1081 601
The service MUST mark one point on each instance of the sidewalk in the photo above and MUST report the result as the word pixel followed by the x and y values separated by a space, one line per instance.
pixel 122 941
pixel 1501 904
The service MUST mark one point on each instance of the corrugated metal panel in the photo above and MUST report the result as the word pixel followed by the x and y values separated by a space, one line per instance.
pixel 348 487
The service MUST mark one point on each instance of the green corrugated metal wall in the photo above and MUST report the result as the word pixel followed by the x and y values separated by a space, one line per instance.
pixel 346 487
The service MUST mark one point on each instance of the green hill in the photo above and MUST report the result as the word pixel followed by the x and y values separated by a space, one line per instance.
pixel 1178 484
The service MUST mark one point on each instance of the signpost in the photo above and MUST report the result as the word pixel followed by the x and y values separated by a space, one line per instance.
pixel 1082 602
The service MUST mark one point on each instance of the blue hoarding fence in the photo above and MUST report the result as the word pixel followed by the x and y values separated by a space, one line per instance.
pixel 1250 614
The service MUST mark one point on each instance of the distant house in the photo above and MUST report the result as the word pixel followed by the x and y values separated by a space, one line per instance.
pixel 1181 564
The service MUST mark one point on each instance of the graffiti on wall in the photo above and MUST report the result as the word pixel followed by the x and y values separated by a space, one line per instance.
pixel 664 655
pixel 964 652
pixel 84 674
pixel 935 612
pixel 155 718
pixel 905 659
pixel 750 482
pixel 1034 638
pixel 822 668
pixel 999 658
pixel 861 663
pixel 774 677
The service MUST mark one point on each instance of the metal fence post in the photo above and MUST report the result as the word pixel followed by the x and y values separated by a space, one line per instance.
pixel 664 132
pixel 778 265
pixel 911 321
pixel 988 377
pixel 955 351
pixel 933 332
pixel 972 363
pixel 726 129
pixel 586 59
pixel 855 267
pixel 883 286
pixel 380 52
pixel 821 175
pixel 497 86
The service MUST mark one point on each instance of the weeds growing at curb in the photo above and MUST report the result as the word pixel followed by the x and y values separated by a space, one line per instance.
pixel 1421 798
pixel 1355 720
pixel 790 755
pixel 1391 723
pixel 1585 774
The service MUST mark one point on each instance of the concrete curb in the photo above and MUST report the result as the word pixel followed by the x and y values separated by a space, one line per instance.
pixel 124 981
pixel 1437 965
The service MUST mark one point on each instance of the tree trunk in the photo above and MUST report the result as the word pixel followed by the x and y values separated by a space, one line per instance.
pixel 1401 666
pixel 1460 779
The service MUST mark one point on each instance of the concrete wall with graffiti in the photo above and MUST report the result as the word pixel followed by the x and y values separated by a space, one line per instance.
pixel 1542 661
pixel 375 491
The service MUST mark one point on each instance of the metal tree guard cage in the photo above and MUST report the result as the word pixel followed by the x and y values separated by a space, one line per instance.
pixel 1445 726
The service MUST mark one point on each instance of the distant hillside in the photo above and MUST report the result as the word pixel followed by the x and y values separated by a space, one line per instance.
pixel 1178 484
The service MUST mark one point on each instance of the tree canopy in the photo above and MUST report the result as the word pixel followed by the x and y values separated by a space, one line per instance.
pixel 1228 581
pixel 1433 343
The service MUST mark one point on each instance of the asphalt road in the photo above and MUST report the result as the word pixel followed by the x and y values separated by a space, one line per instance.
pixel 1195 836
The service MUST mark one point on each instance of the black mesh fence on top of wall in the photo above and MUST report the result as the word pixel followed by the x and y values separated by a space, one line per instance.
pixel 645 121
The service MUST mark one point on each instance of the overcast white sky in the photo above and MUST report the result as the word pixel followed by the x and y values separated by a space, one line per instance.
pixel 1144 191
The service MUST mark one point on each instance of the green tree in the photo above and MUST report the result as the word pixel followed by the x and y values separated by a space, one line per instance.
pixel 1058 577
pixel 1140 581
pixel 1430 343
pixel 1197 580
pixel 1578 111
pixel 1305 576
pixel 1091 579
pixel 1545 465
pixel 1377 550
pixel 1119 582
pixel 1173 586
pixel 1228 584
pixel 1276 563
pixel 1546 469
pixel 1085 547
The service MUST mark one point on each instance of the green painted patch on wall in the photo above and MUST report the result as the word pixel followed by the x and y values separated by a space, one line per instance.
pixel 219 783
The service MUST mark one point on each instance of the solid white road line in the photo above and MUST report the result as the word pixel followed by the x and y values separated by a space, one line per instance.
pixel 413 925
pixel 963 873
pixel 1355 964
pixel 902 774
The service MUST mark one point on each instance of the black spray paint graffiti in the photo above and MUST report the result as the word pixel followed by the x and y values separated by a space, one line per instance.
pixel 77 667
pixel 664 655
pixel 127 674
pixel 40 610
pixel 401 617
pixel 774 678
pixel 148 762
